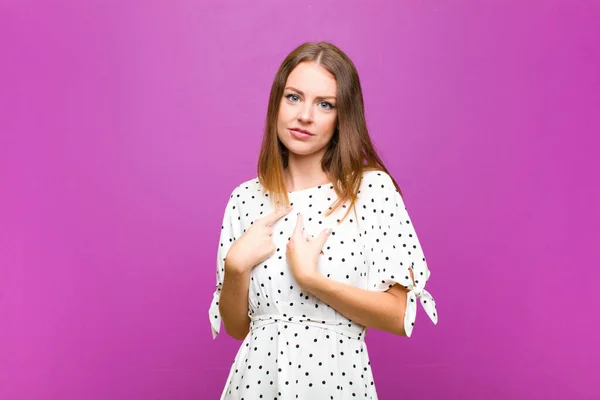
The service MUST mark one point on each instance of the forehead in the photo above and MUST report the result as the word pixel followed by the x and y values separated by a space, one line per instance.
pixel 312 79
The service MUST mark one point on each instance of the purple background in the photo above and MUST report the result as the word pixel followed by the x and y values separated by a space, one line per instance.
pixel 125 125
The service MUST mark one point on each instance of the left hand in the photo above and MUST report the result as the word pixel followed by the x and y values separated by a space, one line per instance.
pixel 302 252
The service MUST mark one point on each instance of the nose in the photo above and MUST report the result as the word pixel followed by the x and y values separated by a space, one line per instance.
pixel 305 113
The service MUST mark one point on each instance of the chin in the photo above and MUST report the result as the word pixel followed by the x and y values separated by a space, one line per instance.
pixel 303 150
pixel 297 148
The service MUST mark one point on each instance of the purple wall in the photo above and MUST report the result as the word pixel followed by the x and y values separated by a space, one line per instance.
pixel 124 127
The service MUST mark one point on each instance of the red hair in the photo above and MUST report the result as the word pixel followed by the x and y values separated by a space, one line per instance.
pixel 350 151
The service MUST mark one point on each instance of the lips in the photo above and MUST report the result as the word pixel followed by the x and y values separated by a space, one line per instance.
pixel 302 131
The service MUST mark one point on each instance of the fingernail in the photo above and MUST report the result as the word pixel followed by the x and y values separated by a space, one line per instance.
pixel 328 231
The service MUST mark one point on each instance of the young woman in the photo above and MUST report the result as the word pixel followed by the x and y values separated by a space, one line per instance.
pixel 300 285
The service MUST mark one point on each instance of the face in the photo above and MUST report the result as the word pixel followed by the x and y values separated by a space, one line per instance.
pixel 307 113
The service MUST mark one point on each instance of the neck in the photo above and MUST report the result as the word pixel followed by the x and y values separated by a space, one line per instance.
pixel 304 171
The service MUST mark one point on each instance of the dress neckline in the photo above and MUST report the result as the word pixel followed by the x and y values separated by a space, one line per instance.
pixel 323 185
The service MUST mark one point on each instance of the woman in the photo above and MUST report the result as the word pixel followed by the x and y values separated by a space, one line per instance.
pixel 301 288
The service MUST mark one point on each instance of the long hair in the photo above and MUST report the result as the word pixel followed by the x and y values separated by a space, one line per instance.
pixel 349 152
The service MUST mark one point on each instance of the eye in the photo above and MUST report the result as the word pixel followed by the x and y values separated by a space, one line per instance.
pixel 328 106
pixel 292 97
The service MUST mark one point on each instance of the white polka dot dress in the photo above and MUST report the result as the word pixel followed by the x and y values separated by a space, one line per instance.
pixel 298 347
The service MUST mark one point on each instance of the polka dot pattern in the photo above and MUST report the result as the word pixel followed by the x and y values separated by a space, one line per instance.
pixel 299 347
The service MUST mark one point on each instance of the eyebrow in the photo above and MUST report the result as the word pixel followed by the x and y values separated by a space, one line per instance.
pixel 302 93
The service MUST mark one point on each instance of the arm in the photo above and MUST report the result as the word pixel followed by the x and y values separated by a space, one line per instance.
pixel 233 304
pixel 379 310
pixel 252 247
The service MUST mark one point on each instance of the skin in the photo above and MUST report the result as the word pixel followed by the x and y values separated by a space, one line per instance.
pixel 250 249
pixel 308 103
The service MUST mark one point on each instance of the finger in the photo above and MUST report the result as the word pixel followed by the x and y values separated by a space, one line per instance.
pixel 298 230
pixel 306 236
pixel 271 218
pixel 322 238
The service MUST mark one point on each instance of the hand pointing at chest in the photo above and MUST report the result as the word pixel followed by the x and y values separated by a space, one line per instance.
pixel 302 252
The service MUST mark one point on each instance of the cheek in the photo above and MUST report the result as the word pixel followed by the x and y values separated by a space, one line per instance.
pixel 329 124
pixel 333 123
pixel 285 113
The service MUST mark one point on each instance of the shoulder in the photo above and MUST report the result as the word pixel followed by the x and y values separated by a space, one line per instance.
pixel 376 181
pixel 241 195
pixel 245 189
pixel 378 193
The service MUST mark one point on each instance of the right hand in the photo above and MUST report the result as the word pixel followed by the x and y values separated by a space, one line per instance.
pixel 256 244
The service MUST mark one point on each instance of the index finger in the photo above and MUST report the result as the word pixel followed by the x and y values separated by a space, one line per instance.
pixel 275 215
pixel 299 228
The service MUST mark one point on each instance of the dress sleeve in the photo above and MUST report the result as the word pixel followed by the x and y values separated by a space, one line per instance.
pixel 393 247
pixel 227 237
